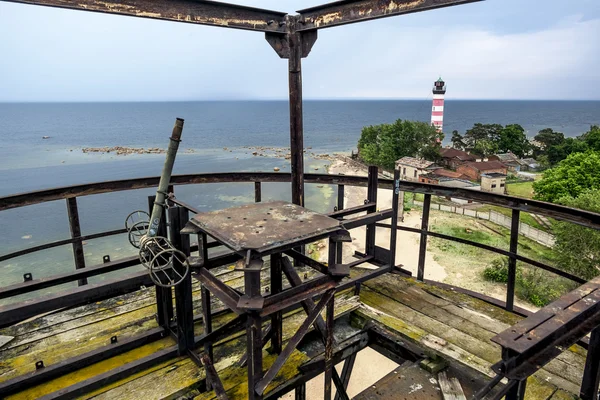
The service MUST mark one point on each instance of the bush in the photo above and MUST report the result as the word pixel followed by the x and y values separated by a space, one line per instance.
pixel 533 285
pixel 538 287
pixel 497 271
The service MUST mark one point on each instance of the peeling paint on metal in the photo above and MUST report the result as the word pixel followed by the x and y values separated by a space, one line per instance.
pixel 328 18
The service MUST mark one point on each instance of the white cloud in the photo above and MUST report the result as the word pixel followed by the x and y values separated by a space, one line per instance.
pixel 558 62
pixel 89 56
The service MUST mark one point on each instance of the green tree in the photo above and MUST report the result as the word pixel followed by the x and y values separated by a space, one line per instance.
pixel 384 144
pixel 547 138
pixel 573 175
pixel 578 248
pixel 483 138
pixel 592 138
pixel 513 138
pixel 457 140
pixel 559 152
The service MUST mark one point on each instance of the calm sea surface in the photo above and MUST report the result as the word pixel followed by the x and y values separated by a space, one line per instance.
pixel 27 162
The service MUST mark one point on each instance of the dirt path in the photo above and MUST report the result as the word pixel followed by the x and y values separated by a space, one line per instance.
pixel 407 245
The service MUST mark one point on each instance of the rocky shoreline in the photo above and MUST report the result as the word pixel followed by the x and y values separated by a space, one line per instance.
pixel 284 152
pixel 123 151
pixel 257 151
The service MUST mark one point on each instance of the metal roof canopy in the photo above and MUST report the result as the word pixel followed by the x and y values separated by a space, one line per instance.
pixel 291 36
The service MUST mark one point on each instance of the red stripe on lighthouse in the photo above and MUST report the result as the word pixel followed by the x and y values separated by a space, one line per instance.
pixel 438 102
pixel 437 113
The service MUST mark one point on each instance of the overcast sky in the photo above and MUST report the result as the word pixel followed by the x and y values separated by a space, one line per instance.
pixel 496 49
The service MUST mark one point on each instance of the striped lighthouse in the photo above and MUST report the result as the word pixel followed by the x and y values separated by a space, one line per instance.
pixel 437 111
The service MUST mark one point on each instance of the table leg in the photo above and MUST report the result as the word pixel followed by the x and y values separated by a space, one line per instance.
pixel 276 318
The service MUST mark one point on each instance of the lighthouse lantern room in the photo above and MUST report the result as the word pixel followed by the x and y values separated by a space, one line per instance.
pixel 437 111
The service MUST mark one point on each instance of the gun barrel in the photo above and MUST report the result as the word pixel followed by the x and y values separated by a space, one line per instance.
pixel 165 178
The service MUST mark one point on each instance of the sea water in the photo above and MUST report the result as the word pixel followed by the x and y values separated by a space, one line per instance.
pixel 216 137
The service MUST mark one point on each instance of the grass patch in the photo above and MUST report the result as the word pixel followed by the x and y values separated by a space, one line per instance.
pixel 534 285
pixel 525 218
pixel 521 189
pixel 480 234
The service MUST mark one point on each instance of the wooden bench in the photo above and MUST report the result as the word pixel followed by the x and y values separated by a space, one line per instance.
pixel 536 340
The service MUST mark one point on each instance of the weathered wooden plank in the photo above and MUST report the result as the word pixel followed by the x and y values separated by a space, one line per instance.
pixel 451 389
pixel 72 318
pixel 98 315
pixel 562 395
pixel 411 294
pixel 559 373
pixel 227 353
pixel 79 335
pixel 538 389
pixel 93 370
pixel 432 345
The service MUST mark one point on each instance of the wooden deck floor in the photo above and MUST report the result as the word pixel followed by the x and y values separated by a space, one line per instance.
pixel 442 322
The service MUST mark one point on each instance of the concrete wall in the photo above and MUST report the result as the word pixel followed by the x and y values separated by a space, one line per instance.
pixel 473 174
pixel 488 182
pixel 408 173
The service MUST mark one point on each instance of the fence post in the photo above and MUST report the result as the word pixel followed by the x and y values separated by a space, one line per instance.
pixel 75 228
pixel 371 198
pixel 423 241
pixel 512 260
pixel 257 192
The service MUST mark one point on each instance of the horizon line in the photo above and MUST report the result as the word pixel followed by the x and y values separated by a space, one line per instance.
pixel 275 99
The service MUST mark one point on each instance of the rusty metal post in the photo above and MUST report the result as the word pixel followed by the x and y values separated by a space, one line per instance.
pixel 340 206
pixel 394 222
pixel 178 217
pixel 346 373
pixel 591 373
pixel 296 122
pixel 254 350
pixel 205 299
pixel 254 342
pixel 329 348
pixel 75 228
pixel 164 296
pixel 300 392
pixel 276 318
pixel 257 192
pixel 512 261
pixel 371 198
pixel 517 392
pixel 423 240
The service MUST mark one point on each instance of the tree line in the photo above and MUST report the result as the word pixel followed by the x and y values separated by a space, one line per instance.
pixel 488 139
pixel 571 176
pixel 573 181
pixel 383 144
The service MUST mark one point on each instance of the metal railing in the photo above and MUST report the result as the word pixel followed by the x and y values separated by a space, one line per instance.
pixel 134 281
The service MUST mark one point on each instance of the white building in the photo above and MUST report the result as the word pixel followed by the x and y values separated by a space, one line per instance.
pixel 411 168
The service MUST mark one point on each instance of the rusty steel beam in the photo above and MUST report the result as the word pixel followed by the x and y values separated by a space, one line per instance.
pixel 190 11
pixel 580 217
pixel 351 11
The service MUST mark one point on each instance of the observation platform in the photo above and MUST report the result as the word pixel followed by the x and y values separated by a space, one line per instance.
pixel 393 313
